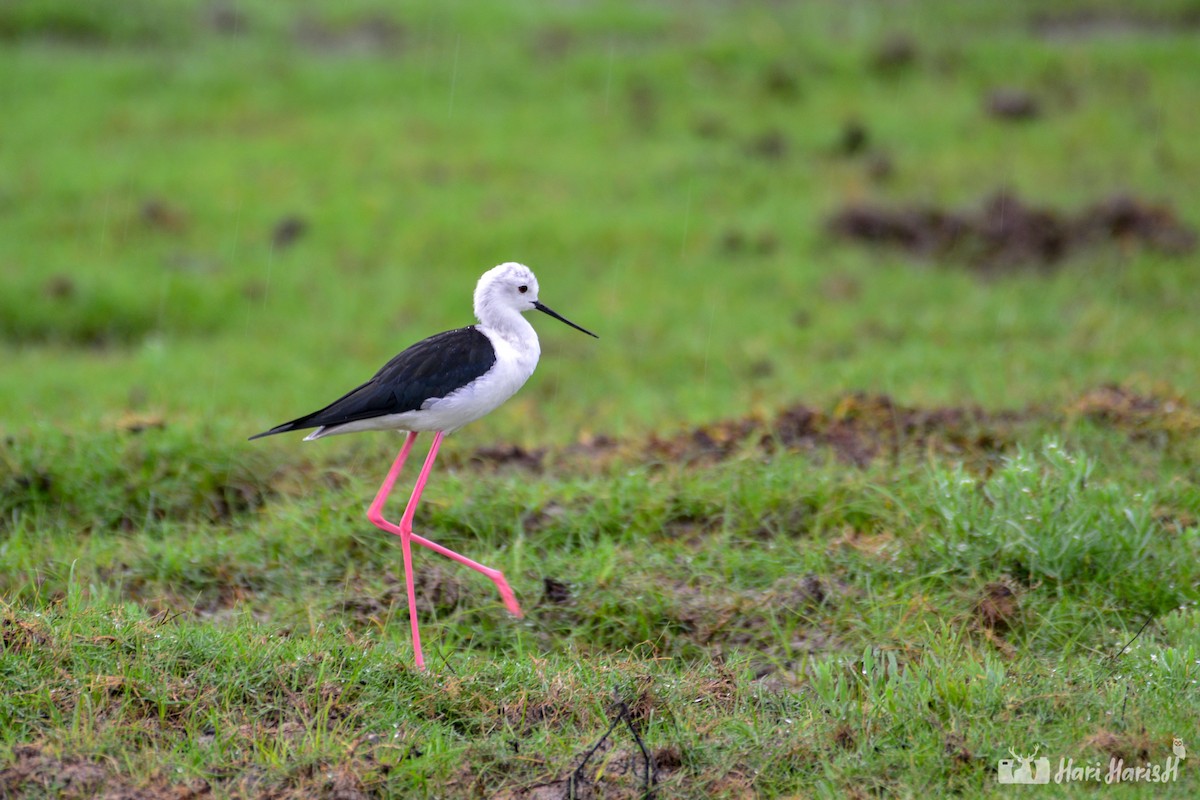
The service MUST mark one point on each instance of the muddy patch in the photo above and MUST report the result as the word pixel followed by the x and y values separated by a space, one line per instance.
pixel 1130 747
pixel 859 429
pixel 894 54
pixel 618 764
pixel 439 593
pixel 1013 104
pixel 1008 234
pixel 618 772
pixel 771 145
pixel 737 242
pixel 160 214
pixel 1117 22
pixel 717 441
pixel 698 620
pixel 372 34
pixel 780 81
pixel 997 608
pixel 288 230
pixel 36 771
pixel 556 592
pixel 19 635
pixel 862 428
pixel 1146 417
pixel 225 19
pixel 853 139
pixel 553 42
pixel 508 455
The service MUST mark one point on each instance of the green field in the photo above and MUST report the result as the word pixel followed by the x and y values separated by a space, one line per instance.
pixel 815 516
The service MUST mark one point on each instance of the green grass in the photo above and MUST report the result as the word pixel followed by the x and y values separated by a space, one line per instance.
pixel 882 606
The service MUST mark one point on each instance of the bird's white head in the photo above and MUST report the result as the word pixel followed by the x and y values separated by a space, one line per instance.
pixel 504 289
pixel 505 292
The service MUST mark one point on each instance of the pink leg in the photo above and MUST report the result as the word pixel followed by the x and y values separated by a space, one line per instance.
pixel 404 531
pixel 375 514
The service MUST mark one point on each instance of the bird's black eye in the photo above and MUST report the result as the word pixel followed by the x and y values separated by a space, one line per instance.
pixel 522 289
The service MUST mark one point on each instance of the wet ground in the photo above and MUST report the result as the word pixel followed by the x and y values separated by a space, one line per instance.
pixel 860 429
pixel 1007 233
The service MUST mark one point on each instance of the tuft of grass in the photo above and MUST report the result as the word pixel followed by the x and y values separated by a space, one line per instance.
pixel 1045 518
pixel 123 22
pixel 135 476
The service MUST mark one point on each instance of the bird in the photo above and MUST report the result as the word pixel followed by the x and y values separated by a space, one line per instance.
pixel 437 386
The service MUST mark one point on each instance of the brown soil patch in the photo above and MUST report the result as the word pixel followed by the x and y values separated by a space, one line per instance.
pixel 59 287
pixel 893 54
pixel 1085 23
pixel 553 42
pixel 1132 748
pixel 37 772
pixel 736 241
pixel 611 767
pixel 843 737
pixel 1008 234
pixel 1013 104
pixel 438 590
pixel 370 34
pixel 717 441
pixel 524 716
pixel 34 769
pixel 555 592
pixel 288 230
pixel 770 145
pixel 20 635
pixel 723 622
pixel 863 427
pixel 160 214
pixel 956 749
pixel 859 429
pixel 508 455
pixel 998 607
pixel 852 139
pixel 1139 415
pixel 780 81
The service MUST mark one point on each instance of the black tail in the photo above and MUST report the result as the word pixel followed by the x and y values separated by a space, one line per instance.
pixel 294 425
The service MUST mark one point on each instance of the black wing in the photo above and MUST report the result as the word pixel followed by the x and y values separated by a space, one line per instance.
pixel 433 367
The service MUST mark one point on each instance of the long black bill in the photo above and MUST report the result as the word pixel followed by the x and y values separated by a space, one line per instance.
pixel 547 310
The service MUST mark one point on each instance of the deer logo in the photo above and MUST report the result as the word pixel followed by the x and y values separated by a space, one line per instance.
pixel 1029 770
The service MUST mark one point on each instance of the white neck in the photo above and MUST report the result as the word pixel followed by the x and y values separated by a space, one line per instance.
pixel 510 325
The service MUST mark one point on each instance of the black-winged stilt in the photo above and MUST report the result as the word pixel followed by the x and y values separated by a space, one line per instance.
pixel 440 384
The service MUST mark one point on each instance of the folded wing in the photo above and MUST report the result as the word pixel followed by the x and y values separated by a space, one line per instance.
pixel 430 369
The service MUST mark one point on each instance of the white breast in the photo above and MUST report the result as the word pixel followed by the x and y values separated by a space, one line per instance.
pixel 516 358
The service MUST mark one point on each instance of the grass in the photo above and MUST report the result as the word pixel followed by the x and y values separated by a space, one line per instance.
pixel 977 532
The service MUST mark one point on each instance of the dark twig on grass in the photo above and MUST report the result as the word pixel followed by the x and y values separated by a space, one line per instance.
pixel 446 663
pixel 1112 659
pixel 578 777
pixel 647 759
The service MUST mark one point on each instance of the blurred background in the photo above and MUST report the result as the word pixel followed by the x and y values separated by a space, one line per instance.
pixel 219 215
